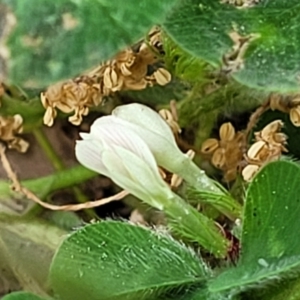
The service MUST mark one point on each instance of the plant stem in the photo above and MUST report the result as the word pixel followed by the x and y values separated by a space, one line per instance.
pixel 58 165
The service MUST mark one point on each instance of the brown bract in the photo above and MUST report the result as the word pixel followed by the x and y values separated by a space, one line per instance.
pixel 10 127
pixel 227 152
pixel 128 70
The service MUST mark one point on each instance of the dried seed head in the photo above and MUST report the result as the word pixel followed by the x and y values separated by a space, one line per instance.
pixel 269 130
pixel 296 101
pixel 256 150
pixel 249 172
pixel 280 138
pixel 162 76
pixel 277 103
pixel 227 132
pixel 295 116
pixel 10 127
pixel 209 146
pixel 111 80
pixel 218 158
pixel 73 95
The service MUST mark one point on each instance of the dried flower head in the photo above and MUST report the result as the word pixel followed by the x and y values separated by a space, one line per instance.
pixel 269 145
pixel 128 70
pixel 10 127
pixel 227 152
pixel 71 96
pixel 287 104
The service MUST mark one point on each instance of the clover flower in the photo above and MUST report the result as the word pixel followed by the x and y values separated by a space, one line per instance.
pixel 119 153
pixel 112 148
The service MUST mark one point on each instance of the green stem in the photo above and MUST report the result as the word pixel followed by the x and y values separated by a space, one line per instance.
pixel 42 186
pixel 58 165
pixel 48 149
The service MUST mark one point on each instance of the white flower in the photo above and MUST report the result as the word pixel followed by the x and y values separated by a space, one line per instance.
pixel 116 151
pixel 151 127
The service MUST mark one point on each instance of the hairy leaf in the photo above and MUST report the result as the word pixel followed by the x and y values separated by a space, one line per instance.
pixel 27 247
pixel 270 243
pixel 116 260
pixel 59 39
pixel 22 296
pixel 271 61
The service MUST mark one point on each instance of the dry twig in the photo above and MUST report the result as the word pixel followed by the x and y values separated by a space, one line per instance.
pixel 17 187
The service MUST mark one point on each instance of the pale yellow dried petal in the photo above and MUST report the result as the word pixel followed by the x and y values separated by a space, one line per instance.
pixel 75 119
pixel 44 100
pixel 249 172
pixel 255 150
pixel 49 116
pixel 110 78
pixel 295 116
pixel 270 129
pixel 280 138
pixel 277 103
pixel 296 101
pixel 162 76
pixel 18 123
pixel 218 159
pixel 209 146
pixel 18 144
pixel 65 107
pixel 132 84
pixel 125 70
pixel 227 132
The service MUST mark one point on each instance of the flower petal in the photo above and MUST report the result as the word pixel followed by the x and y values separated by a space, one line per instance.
pixel 88 153
pixel 165 151
pixel 141 182
pixel 145 117
pixel 113 131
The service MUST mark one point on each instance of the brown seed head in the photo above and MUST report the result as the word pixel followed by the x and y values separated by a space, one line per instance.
pixel 227 132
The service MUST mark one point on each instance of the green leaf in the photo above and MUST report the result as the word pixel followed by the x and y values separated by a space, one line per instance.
pixel 22 296
pixel 58 39
pixel 271 61
pixel 27 246
pixel 116 260
pixel 270 243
